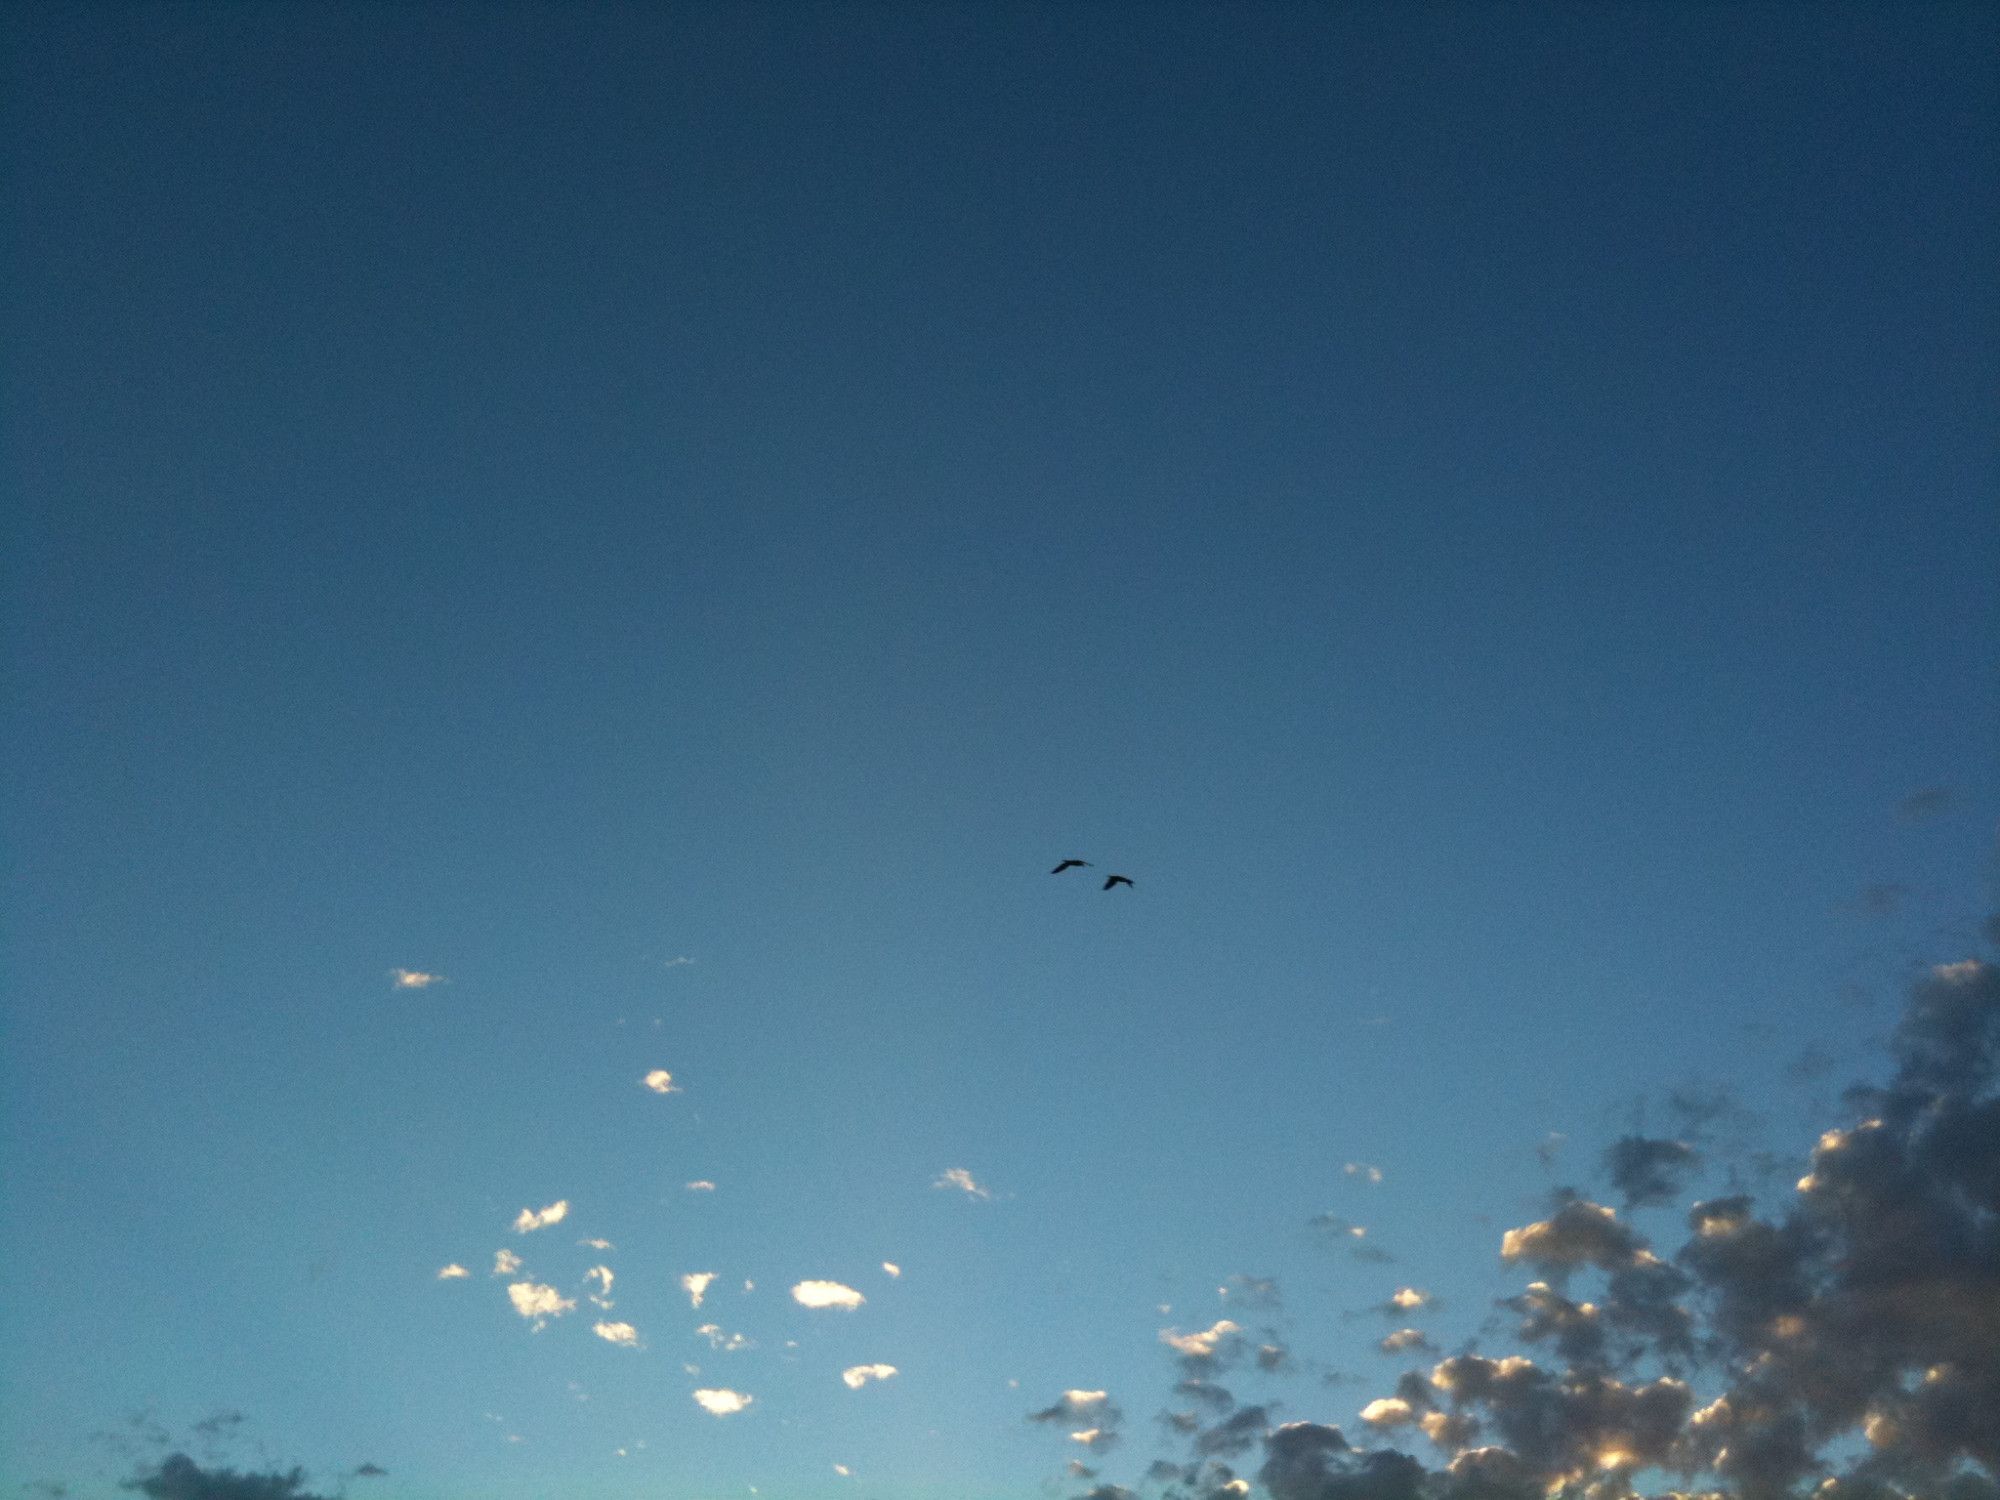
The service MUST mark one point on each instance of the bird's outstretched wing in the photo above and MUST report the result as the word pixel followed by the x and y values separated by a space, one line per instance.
pixel 1068 864
pixel 1111 880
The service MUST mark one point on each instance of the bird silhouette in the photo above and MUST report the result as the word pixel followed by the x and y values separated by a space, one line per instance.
pixel 1111 880
pixel 1068 864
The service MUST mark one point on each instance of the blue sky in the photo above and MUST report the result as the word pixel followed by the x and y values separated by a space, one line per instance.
pixel 674 519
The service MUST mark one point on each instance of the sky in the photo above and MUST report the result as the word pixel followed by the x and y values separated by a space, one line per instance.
pixel 553 547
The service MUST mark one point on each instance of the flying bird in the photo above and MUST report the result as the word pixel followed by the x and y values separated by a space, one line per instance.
pixel 1068 864
pixel 1111 880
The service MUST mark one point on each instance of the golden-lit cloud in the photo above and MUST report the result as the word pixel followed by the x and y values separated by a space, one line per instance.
pixel 1408 1298
pixel 856 1376
pixel 532 1300
pixel 1200 1345
pixel 958 1177
pixel 1392 1411
pixel 826 1294
pixel 529 1218
pixel 452 1272
pixel 695 1284
pixel 722 1403
pixel 415 979
pixel 660 1081
pixel 622 1334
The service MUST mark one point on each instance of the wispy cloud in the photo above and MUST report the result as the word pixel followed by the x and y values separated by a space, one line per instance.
pixel 727 1343
pixel 856 1376
pixel 623 1334
pixel 597 1244
pixel 696 1284
pixel 601 1275
pixel 958 1177
pixel 700 1185
pixel 1364 1171
pixel 891 1268
pixel 722 1403
pixel 529 1219
pixel 415 979
pixel 452 1272
pixel 538 1302
pixel 826 1294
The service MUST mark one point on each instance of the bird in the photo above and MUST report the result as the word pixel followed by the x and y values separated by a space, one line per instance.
pixel 1068 864
pixel 1111 880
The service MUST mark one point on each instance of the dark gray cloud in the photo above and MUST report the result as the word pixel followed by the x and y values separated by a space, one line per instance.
pixel 1649 1170
pixel 179 1477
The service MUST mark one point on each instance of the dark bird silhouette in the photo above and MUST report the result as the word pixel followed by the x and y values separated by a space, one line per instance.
pixel 1068 864
pixel 1111 880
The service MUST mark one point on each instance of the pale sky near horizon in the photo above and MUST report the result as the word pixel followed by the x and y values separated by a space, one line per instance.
pixel 558 547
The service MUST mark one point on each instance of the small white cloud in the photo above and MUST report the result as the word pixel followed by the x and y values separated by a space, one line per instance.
pixel 826 1294
pixel 452 1272
pixel 695 1284
pixel 1198 1345
pixel 1094 1437
pixel 1408 1298
pixel 622 1334
pixel 1080 1401
pixel 728 1343
pixel 701 1185
pixel 958 1177
pixel 505 1262
pixel 748 1286
pixel 856 1376
pixel 660 1081
pixel 602 1276
pixel 532 1300
pixel 597 1244
pixel 892 1268
pixel 1362 1169
pixel 529 1219
pixel 1391 1411
pixel 722 1403
pixel 842 1470
pixel 415 979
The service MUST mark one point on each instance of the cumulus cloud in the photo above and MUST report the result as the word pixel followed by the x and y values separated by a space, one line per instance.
pixel 660 1081
pixel 179 1477
pixel 1649 1171
pixel 1213 1343
pixel 723 1402
pixel 856 1376
pixel 826 1294
pixel 1407 1340
pixel 414 979
pixel 959 1178
pixel 530 1219
pixel 505 1263
pixel 1580 1233
pixel 623 1334
pixel 695 1284
pixel 538 1302
pixel 452 1272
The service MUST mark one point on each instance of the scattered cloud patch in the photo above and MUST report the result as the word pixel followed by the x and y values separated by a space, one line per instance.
pixel 1364 1171
pixel 505 1263
pixel 537 1302
pixel 826 1294
pixel 452 1272
pixel 891 1269
pixel 958 1177
pixel 415 979
pixel 696 1284
pixel 597 1244
pixel 530 1219
pixel 601 1275
pixel 856 1376
pixel 660 1081
pixel 728 1343
pixel 1206 1344
pixel 700 1185
pixel 723 1402
pixel 622 1334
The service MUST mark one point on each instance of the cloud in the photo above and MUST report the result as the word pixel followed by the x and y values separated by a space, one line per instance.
pixel 890 1268
pixel 728 1343
pixel 505 1263
pixel 1649 1171
pixel 597 1244
pixel 1579 1233
pixel 1215 1344
pixel 415 979
pixel 1363 1170
pixel 623 1334
pixel 701 1185
pixel 452 1272
pixel 826 1294
pixel 1927 802
pixel 532 1300
pixel 1251 1291
pixel 1079 1406
pixel 722 1403
pixel 1095 1438
pixel 1407 1340
pixel 958 1177
pixel 1388 1412
pixel 528 1219
pixel 856 1376
pixel 179 1477
pixel 602 1276
pixel 695 1284
pixel 660 1081
pixel 1408 1299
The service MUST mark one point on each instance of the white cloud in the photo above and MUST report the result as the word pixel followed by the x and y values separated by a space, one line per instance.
pixel 1198 1345
pixel 1362 1169
pixel 1078 1401
pixel 701 1185
pixel 505 1262
pixel 892 1268
pixel 1094 1437
pixel 597 1244
pixel 452 1272
pixel 842 1470
pixel 695 1284
pixel 826 1294
pixel 1391 1411
pixel 958 1177
pixel 728 1343
pixel 722 1403
pixel 660 1081
pixel 415 979
pixel 856 1376
pixel 532 1300
pixel 529 1219
pixel 622 1334
pixel 602 1276
pixel 1408 1298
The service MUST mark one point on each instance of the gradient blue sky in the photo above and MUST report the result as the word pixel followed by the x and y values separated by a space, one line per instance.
pixel 1486 513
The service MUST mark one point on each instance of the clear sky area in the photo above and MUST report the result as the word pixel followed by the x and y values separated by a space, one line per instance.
pixel 573 570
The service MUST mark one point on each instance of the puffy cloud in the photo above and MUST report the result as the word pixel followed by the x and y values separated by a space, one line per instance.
pixel 414 979
pixel 1079 1406
pixel 958 1177
pixel 529 1219
pixel 891 1269
pixel 1579 1233
pixel 452 1272
pixel 623 1334
pixel 660 1081
pixel 722 1402
pixel 1215 1342
pixel 505 1263
pixel 532 1300
pixel 826 1294
pixel 856 1376
pixel 1649 1171
pixel 1408 1299
pixel 1388 1412
pixel 1407 1340
pixel 179 1477
pixel 695 1284
pixel 1095 1438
